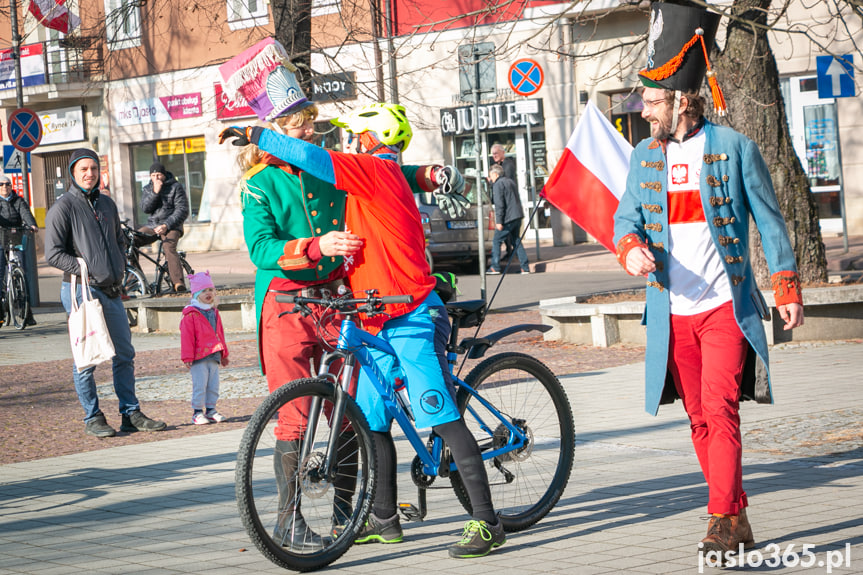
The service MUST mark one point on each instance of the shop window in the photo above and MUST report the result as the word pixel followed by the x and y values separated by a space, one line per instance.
pixel 123 23
pixel 186 159
pixel 626 117
pixel 247 13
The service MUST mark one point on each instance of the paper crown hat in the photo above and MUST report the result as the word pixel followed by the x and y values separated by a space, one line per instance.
pixel 263 78
pixel 200 281
pixel 677 44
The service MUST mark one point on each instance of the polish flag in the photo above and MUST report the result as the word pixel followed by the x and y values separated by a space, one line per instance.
pixel 54 14
pixel 590 178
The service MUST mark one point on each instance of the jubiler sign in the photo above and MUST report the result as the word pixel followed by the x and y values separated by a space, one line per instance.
pixel 500 115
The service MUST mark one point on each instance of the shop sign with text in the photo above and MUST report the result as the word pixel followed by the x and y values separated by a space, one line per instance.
pixel 162 109
pixel 63 125
pixel 495 116
pixel 226 108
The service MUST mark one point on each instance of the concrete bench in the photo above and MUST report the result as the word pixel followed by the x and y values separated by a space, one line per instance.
pixel 164 313
pixel 831 313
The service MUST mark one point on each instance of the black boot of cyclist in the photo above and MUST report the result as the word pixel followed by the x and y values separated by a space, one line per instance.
pixel 346 481
pixel 291 531
pixel 29 321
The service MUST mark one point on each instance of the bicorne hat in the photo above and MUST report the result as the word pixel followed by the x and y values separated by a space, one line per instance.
pixel 678 40
pixel 263 78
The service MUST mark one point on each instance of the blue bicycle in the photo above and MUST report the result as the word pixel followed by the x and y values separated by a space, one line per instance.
pixel 303 495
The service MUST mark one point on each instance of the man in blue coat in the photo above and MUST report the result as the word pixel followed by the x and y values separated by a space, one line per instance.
pixel 683 223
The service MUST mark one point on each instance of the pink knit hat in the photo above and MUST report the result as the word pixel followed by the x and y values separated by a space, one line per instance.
pixel 200 281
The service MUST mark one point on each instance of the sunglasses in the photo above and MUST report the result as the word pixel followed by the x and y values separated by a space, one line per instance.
pixel 4 184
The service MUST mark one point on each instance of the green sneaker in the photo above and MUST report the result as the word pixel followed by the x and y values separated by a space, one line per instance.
pixel 378 530
pixel 478 539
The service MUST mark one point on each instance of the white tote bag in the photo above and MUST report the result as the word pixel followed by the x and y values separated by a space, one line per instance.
pixel 91 342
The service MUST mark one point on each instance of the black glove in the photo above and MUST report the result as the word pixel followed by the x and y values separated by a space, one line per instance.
pixel 242 136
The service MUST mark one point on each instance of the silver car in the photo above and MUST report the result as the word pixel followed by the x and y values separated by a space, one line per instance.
pixel 455 240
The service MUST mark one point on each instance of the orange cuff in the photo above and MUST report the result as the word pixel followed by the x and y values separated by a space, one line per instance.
pixel 626 244
pixel 294 255
pixel 786 288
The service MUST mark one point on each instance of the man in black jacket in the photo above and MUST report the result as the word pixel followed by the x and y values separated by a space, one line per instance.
pixel 165 200
pixel 508 215
pixel 83 223
pixel 14 213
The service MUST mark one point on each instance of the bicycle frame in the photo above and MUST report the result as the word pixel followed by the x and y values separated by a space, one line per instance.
pixel 354 346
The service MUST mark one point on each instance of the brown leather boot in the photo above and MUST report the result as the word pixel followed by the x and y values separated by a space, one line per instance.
pixel 727 532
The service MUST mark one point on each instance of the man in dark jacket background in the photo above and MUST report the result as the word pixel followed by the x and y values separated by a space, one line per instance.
pixel 165 200
pixel 14 213
pixel 508 215
pixel 72 231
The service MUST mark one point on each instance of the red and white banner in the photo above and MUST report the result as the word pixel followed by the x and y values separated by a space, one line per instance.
pixel 54 14
pixel 590 178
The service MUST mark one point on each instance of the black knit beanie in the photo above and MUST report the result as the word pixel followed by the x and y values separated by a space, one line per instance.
pixel 158 168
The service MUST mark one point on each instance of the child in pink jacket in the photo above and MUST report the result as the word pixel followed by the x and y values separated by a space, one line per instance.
pixel 203 348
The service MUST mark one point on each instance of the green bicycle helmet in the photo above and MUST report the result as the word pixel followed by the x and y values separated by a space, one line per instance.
pixel 388 121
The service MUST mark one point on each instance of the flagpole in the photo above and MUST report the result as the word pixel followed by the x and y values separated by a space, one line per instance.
pixel 19 90
pixel 32 277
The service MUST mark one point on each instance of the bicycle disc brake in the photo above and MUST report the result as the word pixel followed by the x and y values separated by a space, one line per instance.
pixel 500 439
pixel 313 482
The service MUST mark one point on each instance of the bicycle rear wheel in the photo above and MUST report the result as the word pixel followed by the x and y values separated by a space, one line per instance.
pixel 528 482
pixel 296 517
pixel 17 298
pixel 134 286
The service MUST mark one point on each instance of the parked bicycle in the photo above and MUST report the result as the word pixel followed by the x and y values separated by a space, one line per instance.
pixel 135 281
pixel 513 404
pixel 15 300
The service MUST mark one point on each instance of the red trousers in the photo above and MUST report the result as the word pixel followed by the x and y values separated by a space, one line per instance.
pixel 290 349
pixel 706 358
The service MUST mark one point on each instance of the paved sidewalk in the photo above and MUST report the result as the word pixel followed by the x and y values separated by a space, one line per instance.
pixel 635 502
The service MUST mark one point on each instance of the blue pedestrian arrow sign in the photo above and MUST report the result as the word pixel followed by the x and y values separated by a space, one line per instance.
pixel 525 77
pixel 24 129
pixel 835 76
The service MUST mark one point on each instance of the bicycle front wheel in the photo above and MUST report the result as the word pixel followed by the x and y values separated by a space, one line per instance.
pixel 525 483
pixel 298 516
pixel 17 298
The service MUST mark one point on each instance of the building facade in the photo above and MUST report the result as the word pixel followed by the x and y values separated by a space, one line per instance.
pixel 139 83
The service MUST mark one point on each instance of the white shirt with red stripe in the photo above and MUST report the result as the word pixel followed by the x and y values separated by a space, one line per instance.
pixel 697 280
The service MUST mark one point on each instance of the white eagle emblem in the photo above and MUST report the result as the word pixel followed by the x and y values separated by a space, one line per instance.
pixel 655 31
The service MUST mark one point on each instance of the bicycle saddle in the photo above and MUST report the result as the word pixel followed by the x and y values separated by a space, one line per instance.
pixel 468 313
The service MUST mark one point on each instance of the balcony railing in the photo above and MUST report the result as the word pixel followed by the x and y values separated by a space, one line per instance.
pixel 64 61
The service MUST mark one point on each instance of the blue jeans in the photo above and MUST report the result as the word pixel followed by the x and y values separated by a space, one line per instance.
pixel 511 230
pixel 123 362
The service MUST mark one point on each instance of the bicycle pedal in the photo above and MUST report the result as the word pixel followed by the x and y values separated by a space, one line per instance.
pixel 410 512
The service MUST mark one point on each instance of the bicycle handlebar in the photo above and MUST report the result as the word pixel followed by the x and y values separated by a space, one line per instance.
pixel 370 304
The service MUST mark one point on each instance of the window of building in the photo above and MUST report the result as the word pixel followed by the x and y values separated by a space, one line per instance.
pixel 186 159
pixel 324 7
pixel 123 23
pixel 626 117
pixel 247 13
pixel 814 132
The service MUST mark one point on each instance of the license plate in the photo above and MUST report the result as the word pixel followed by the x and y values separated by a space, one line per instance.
pixel 461 225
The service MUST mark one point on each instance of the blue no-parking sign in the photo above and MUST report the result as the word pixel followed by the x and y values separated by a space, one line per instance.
pixel 835 76
pixel 24 129
pixel 525 77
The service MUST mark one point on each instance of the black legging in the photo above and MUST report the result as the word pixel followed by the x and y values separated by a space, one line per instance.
pixel 465 453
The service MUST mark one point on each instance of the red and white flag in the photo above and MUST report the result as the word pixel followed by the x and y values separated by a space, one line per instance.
pixel 590 178
pixel 54 14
